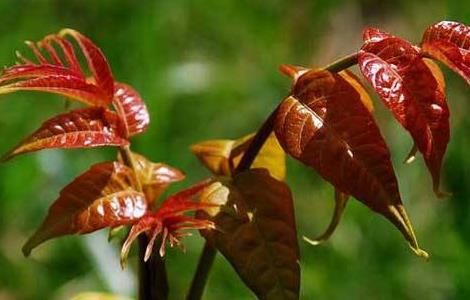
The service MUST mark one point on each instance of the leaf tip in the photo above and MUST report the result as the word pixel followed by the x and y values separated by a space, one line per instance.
pixel 314 242
pixel 420 252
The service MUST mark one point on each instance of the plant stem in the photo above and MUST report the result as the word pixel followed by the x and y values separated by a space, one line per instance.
pixel 153 281
pixel 203 268
pixel 208 255
pixel 342 63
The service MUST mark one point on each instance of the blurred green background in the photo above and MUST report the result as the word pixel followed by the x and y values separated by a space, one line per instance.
pixel 208 69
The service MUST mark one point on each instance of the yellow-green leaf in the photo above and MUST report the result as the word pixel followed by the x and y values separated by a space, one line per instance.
pixel 98 296
pixel 222 156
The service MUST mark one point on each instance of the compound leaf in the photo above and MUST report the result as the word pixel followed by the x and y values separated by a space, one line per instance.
pixel 325 125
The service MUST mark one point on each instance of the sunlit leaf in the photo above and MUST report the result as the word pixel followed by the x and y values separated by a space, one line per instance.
pixel 256 232
pixel 81 128
pixel 59 71
pixel 325 125
pixel 104 196
pixel 409 89
pixel 352 79
pixel 131 106
pixel 295 72
pixel 449 42
pixel 222 156
pixel 98 296
pixel 154 177
pixel 169 222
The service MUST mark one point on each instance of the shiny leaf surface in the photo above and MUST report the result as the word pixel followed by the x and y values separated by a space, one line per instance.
pixel 132 108
pixel 409 89
pixel 256 232
pixel 222 156
pixel 81 128
pixel 449 42
pixel 104 196
pixel 325 125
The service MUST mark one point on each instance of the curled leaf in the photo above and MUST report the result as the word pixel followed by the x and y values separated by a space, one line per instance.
pixel 81 128
pixel 132 108
pixel 448 42
pixel 222 156
pixel 154 177
pixel 340 204
pixel 408 87
pixel 325 125
pixel 256 232
pixel 168 222
pixel 104 196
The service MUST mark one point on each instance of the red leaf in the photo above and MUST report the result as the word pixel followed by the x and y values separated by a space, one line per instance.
pixel 409 89
pixel 81 128
pixel 169 222
pixel 449 42
pixel 325 125
pixel 62 76
pixel 132 108
pixel 71 87
pixel 104 196
pixel 96 61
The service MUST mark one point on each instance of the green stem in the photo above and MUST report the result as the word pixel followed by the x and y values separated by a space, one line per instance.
pixel 203 268
pixel 153 281
pixel 342 63
pixel 208 255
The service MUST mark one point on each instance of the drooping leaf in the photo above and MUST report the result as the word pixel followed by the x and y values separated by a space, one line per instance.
pixel 449 42
pixel 222 156
pixel 255 231
pixel 169 222
pixel 325 125
pixel 340 204
pixel 61 73
pixel 409 89
pixel 131 106
pixel 104 196
pixel 81 128
pixel 154 177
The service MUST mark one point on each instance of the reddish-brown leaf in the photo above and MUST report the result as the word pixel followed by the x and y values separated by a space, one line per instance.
pixel 60 73
pixel 104 196
pixel 449 42
pixel 169 222
pixel 409 89
pixel 325 125
pixel 81 128
pixel 255 231
pixel 154 177
pixel 132 108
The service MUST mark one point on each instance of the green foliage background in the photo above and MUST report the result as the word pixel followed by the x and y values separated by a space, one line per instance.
pixel 208 69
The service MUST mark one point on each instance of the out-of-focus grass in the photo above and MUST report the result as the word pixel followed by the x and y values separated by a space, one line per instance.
pixel 208 69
